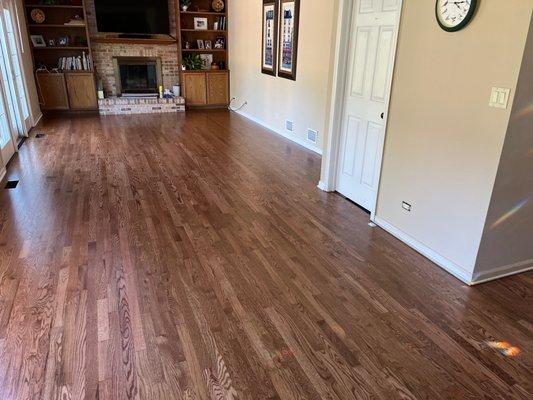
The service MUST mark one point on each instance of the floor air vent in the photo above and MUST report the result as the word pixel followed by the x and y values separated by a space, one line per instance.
pixel 39 135
pixel 11 184
pixel 312 135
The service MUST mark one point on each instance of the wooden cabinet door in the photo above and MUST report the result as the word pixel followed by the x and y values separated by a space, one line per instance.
pixel 53 91
pixel 81 91
pixel 194 88
pixel 217 88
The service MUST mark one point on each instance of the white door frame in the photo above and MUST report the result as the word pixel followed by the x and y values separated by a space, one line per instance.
pixel 11 7
pixel 330 158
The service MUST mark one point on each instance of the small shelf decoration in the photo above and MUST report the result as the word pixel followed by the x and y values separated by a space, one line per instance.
pixel 37 15
pixel 218 5
pixel 37 41
pixel 185 4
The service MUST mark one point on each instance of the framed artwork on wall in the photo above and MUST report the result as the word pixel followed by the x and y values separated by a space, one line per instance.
pixel 288 38
pixel 270 37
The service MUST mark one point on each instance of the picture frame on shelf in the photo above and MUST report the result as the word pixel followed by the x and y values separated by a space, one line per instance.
pixel 208 44
pixel 207 60
pixel 289 25
pixel 220 43
pixel 200 23
pixel 37 40
pixel 270 37
pixel 200 44
pixel 63 41
pixel 51 43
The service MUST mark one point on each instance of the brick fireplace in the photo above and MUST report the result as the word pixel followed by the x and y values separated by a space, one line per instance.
pixel 135 76
pixel 104 54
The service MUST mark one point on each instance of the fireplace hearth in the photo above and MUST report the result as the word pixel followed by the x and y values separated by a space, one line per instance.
pixel 137 76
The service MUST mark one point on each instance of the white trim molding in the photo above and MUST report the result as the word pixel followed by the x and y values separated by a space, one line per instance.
pixel 37 120
pixel 501 272
pixel 339 68
pixel 2 173
pixel 279 132
pixel 446 264
pixel 470 278
pixel 322 186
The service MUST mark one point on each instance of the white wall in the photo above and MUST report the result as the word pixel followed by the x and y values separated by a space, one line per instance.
pixel 272 100
pixel 443 142
pixel 506 243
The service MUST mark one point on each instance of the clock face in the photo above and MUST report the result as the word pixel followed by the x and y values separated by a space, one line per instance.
pixel 454 15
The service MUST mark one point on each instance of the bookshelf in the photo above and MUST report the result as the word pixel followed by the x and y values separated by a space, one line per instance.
pixel 62 85
pixel 207 87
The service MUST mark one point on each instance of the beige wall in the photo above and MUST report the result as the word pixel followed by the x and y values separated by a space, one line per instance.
pixel 506 242
pixel 270 99
pixel 27 64
pixel 443 142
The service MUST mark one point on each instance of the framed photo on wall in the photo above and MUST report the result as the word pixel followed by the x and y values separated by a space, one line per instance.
pixel 270 37
pixel 288 38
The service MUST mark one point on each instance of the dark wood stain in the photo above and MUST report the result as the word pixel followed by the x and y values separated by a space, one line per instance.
pixel 191 256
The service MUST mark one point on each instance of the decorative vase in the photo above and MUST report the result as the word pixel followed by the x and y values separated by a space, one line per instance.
pixel 184 8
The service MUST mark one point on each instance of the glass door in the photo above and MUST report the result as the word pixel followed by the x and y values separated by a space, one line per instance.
pixel 7 143
pixel 10 64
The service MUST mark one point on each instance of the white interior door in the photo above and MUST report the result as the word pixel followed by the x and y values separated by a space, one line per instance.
pixel 372 50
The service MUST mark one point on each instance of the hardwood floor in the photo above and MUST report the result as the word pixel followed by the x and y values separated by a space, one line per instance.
pixel 192 257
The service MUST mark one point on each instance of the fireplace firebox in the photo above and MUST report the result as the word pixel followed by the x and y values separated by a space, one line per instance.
pixel 137 76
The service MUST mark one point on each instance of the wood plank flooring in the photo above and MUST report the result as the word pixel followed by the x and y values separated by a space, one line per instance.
pixel 192 257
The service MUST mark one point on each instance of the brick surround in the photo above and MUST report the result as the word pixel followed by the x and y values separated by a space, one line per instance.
pixel 103 53
pixel 130 105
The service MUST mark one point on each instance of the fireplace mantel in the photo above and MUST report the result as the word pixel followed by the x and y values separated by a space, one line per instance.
pixel 161 39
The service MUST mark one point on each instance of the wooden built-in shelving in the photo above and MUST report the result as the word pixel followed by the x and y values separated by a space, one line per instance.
pixel 204 88
pixel 69 89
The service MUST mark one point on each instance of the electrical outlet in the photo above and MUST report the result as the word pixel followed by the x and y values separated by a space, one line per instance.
pixel 499 97
pixel 289 125
pixel 406 206
pixel 312 135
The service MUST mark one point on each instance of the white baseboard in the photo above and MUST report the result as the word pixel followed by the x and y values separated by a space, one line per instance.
pixel 324 187
pixel 286 135
pixel 36 121
pixel 501 272
pixel 2 173
pixel 454 269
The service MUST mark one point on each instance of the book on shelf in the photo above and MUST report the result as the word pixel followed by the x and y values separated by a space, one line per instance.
pixel 221 23
pixel 79 63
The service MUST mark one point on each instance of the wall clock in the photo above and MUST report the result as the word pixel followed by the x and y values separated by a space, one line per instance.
pixel 454 15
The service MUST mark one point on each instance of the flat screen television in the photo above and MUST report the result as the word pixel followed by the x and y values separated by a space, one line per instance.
pixel 132 16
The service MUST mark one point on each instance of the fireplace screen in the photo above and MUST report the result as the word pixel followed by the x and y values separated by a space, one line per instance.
pixel 137 76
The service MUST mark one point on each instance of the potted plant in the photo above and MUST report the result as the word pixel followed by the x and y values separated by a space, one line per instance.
pixel 185 4
pixel 192 62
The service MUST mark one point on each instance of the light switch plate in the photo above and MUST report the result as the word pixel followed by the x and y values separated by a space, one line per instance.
pixel 499 97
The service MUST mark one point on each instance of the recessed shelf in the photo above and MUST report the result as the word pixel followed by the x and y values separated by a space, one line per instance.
pixel 56 26
pixel 202 13
pixel 51 6
pixel 202 50
pixel 204 30
pixel 62 48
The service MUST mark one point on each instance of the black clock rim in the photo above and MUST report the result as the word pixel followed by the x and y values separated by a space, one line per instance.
pixel 463 24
